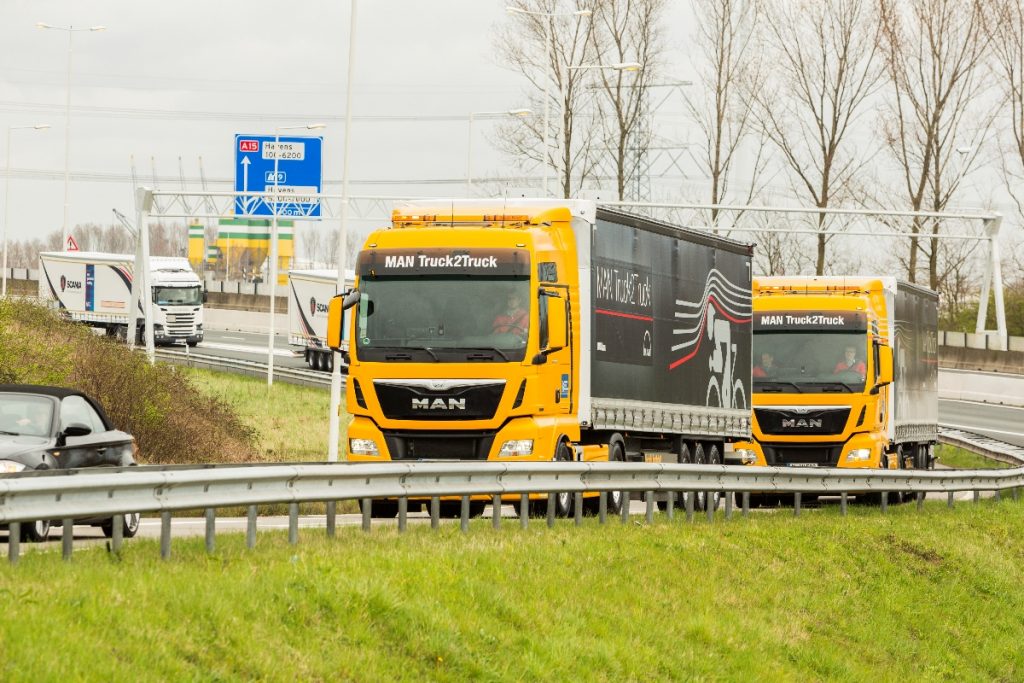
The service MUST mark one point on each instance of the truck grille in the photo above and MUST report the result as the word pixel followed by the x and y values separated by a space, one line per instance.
pixel 181 324
pixel 439 445
pixel 822 455
pixel 795 420
pixel 439 399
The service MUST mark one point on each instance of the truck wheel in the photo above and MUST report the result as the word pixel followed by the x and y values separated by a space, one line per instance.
pixel 329 361
pixel 563 499
pixel 699 458
pixel 616 453
pixel 714 458
pixel 382 508
pixel 36 531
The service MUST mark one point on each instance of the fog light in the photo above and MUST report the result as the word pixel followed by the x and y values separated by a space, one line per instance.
pixel 363 447
pixel 516 447
pixel 9 466
pixel 746 456
pixel 858 455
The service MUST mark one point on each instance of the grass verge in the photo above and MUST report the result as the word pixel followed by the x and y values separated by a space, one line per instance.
pixel 960 459
pixel 909 595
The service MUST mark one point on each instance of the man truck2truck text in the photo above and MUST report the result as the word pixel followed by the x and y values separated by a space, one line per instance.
pixel 545 330
pixel 845 373
pixel 96 289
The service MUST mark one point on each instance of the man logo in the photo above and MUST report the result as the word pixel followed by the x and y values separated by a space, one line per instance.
pixel 439 404
pixel 795 424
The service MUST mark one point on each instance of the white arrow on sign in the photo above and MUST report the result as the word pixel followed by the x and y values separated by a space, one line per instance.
pixel 245 182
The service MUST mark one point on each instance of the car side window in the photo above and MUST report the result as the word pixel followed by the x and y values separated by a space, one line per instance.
pixel 76 409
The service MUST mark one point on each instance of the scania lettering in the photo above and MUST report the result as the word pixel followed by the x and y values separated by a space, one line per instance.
pixel 96 289
pixel 845 373
pixel 545 330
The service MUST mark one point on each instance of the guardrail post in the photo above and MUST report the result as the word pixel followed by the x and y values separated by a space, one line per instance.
pixel 250 528
pixel 949 500
pixel 844 498
pixel 165 535
pixel 367 513
pixel 977 496
pixel 577 508
pixel 117 528
pixel 524 511
pixel 728 505
pixel 13 542
pixel 626 500
pixel 885 501
pixel 67 538
pixel 1013 493
pixel 602 508
pixel 746 503
pixel 496 511
pixel 920 500
pixel 998 495
pixel 403 514
pixel 293 523
pixel 552 501
pixel 670 505
pixel 211 529
pixel 709 508
pixel 435 512
pixel 464 514
pixel 690 497
pixel 332 518
pixel 650 507
pixel 797 497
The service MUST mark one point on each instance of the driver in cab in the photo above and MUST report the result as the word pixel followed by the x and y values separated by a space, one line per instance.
pixel 514 319
pixel 849 363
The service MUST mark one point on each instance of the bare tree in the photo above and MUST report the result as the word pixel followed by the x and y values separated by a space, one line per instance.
pixel 729 67
pixel 543 41
pixel 936 123
pixel 627 31
pixel 1009 50
pixel 824 69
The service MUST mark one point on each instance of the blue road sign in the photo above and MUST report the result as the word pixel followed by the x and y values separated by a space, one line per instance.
pixel 299 175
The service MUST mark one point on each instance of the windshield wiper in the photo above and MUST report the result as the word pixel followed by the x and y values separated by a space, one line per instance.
pixel 772 386
pixel 830 386
pixel 484 348
pixel 401 355
pixel 9 433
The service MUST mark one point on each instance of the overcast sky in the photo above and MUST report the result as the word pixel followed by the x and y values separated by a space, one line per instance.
pixel 170 79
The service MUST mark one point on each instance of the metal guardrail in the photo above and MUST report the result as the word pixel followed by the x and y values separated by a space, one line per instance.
pixel 74 494
pixel 308 378
pixel 984 446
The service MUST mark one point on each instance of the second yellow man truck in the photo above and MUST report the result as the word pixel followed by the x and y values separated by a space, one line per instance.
pixel 845 373
pixel 545 330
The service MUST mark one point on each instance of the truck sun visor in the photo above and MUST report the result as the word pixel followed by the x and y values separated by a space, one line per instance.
pixel 477 262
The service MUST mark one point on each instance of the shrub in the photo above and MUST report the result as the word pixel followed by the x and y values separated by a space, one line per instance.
pixel 172 422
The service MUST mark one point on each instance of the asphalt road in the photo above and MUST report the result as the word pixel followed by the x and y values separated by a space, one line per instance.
pixel 1003 423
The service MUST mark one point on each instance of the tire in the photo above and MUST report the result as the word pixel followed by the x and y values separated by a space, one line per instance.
pixel 191 344
pixel 563 499
pixel 129 526
pixel 329 361
pixel 35 532
pixel 616 453
pixel 699 458
pixel 714 455
pixel 381 508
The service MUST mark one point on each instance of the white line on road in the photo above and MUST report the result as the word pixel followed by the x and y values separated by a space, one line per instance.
pixel 976 429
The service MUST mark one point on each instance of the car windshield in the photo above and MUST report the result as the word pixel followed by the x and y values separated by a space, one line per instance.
pixel 177 296
pixel 25 415
pixel 443 319
pixel 791 361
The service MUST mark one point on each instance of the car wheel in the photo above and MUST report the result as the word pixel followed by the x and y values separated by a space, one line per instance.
pixel 129 526
pixel 35 532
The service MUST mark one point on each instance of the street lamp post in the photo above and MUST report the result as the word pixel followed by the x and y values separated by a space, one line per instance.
pixel 71 30
pixel 547 16
pixel 7 195
pixel 469 145
pixel 273 240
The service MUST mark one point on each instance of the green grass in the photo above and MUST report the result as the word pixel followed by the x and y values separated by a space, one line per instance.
pixel 290 421
pixel 961 459
pixel 909 595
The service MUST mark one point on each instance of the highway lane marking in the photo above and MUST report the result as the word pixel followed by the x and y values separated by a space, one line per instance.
pixel 234 338
pixel 982 403
pixel 284 353
pixel 982 430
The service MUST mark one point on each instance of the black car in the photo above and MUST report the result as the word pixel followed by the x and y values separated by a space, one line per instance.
pixel 48 428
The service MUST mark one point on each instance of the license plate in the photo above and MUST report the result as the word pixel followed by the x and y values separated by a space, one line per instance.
pixel 803 464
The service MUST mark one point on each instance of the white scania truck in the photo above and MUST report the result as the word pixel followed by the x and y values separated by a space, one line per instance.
pixel 96 289
pixel 309 292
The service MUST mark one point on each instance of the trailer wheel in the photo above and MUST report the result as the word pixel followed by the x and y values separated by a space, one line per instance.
pixel 714 455
pixel 699 458
pixel 616 453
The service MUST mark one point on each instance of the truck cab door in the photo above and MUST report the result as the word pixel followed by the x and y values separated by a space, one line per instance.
pixel 555 355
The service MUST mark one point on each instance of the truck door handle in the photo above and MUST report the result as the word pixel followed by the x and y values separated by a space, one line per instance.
pixel 558 395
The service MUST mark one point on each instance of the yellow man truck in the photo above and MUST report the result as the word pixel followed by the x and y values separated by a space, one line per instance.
pixel 545 330
pixel 845 373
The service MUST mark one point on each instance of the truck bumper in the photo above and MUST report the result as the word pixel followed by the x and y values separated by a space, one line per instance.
pixel 524 439
pixel 862 451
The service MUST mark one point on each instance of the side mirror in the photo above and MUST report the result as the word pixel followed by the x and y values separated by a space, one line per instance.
pixel 76 429
pixel 352 297
pixel 883 373
pixel 205 296
pixel 335 320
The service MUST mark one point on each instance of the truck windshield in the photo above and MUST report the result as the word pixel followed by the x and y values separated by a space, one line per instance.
pixel 440 319
pixel 790 361
pixel 177 296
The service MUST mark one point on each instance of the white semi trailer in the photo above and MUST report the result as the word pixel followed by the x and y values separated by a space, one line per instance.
pixel 309 291
pixel 96 289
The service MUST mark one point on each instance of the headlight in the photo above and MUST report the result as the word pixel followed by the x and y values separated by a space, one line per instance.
pixel 745 455
pixel 516 447
pixel 363 447
pixel 8 466
pixel 858 455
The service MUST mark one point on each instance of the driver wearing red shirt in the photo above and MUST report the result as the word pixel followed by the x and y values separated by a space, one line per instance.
pixel 849 363
pixel 515 319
